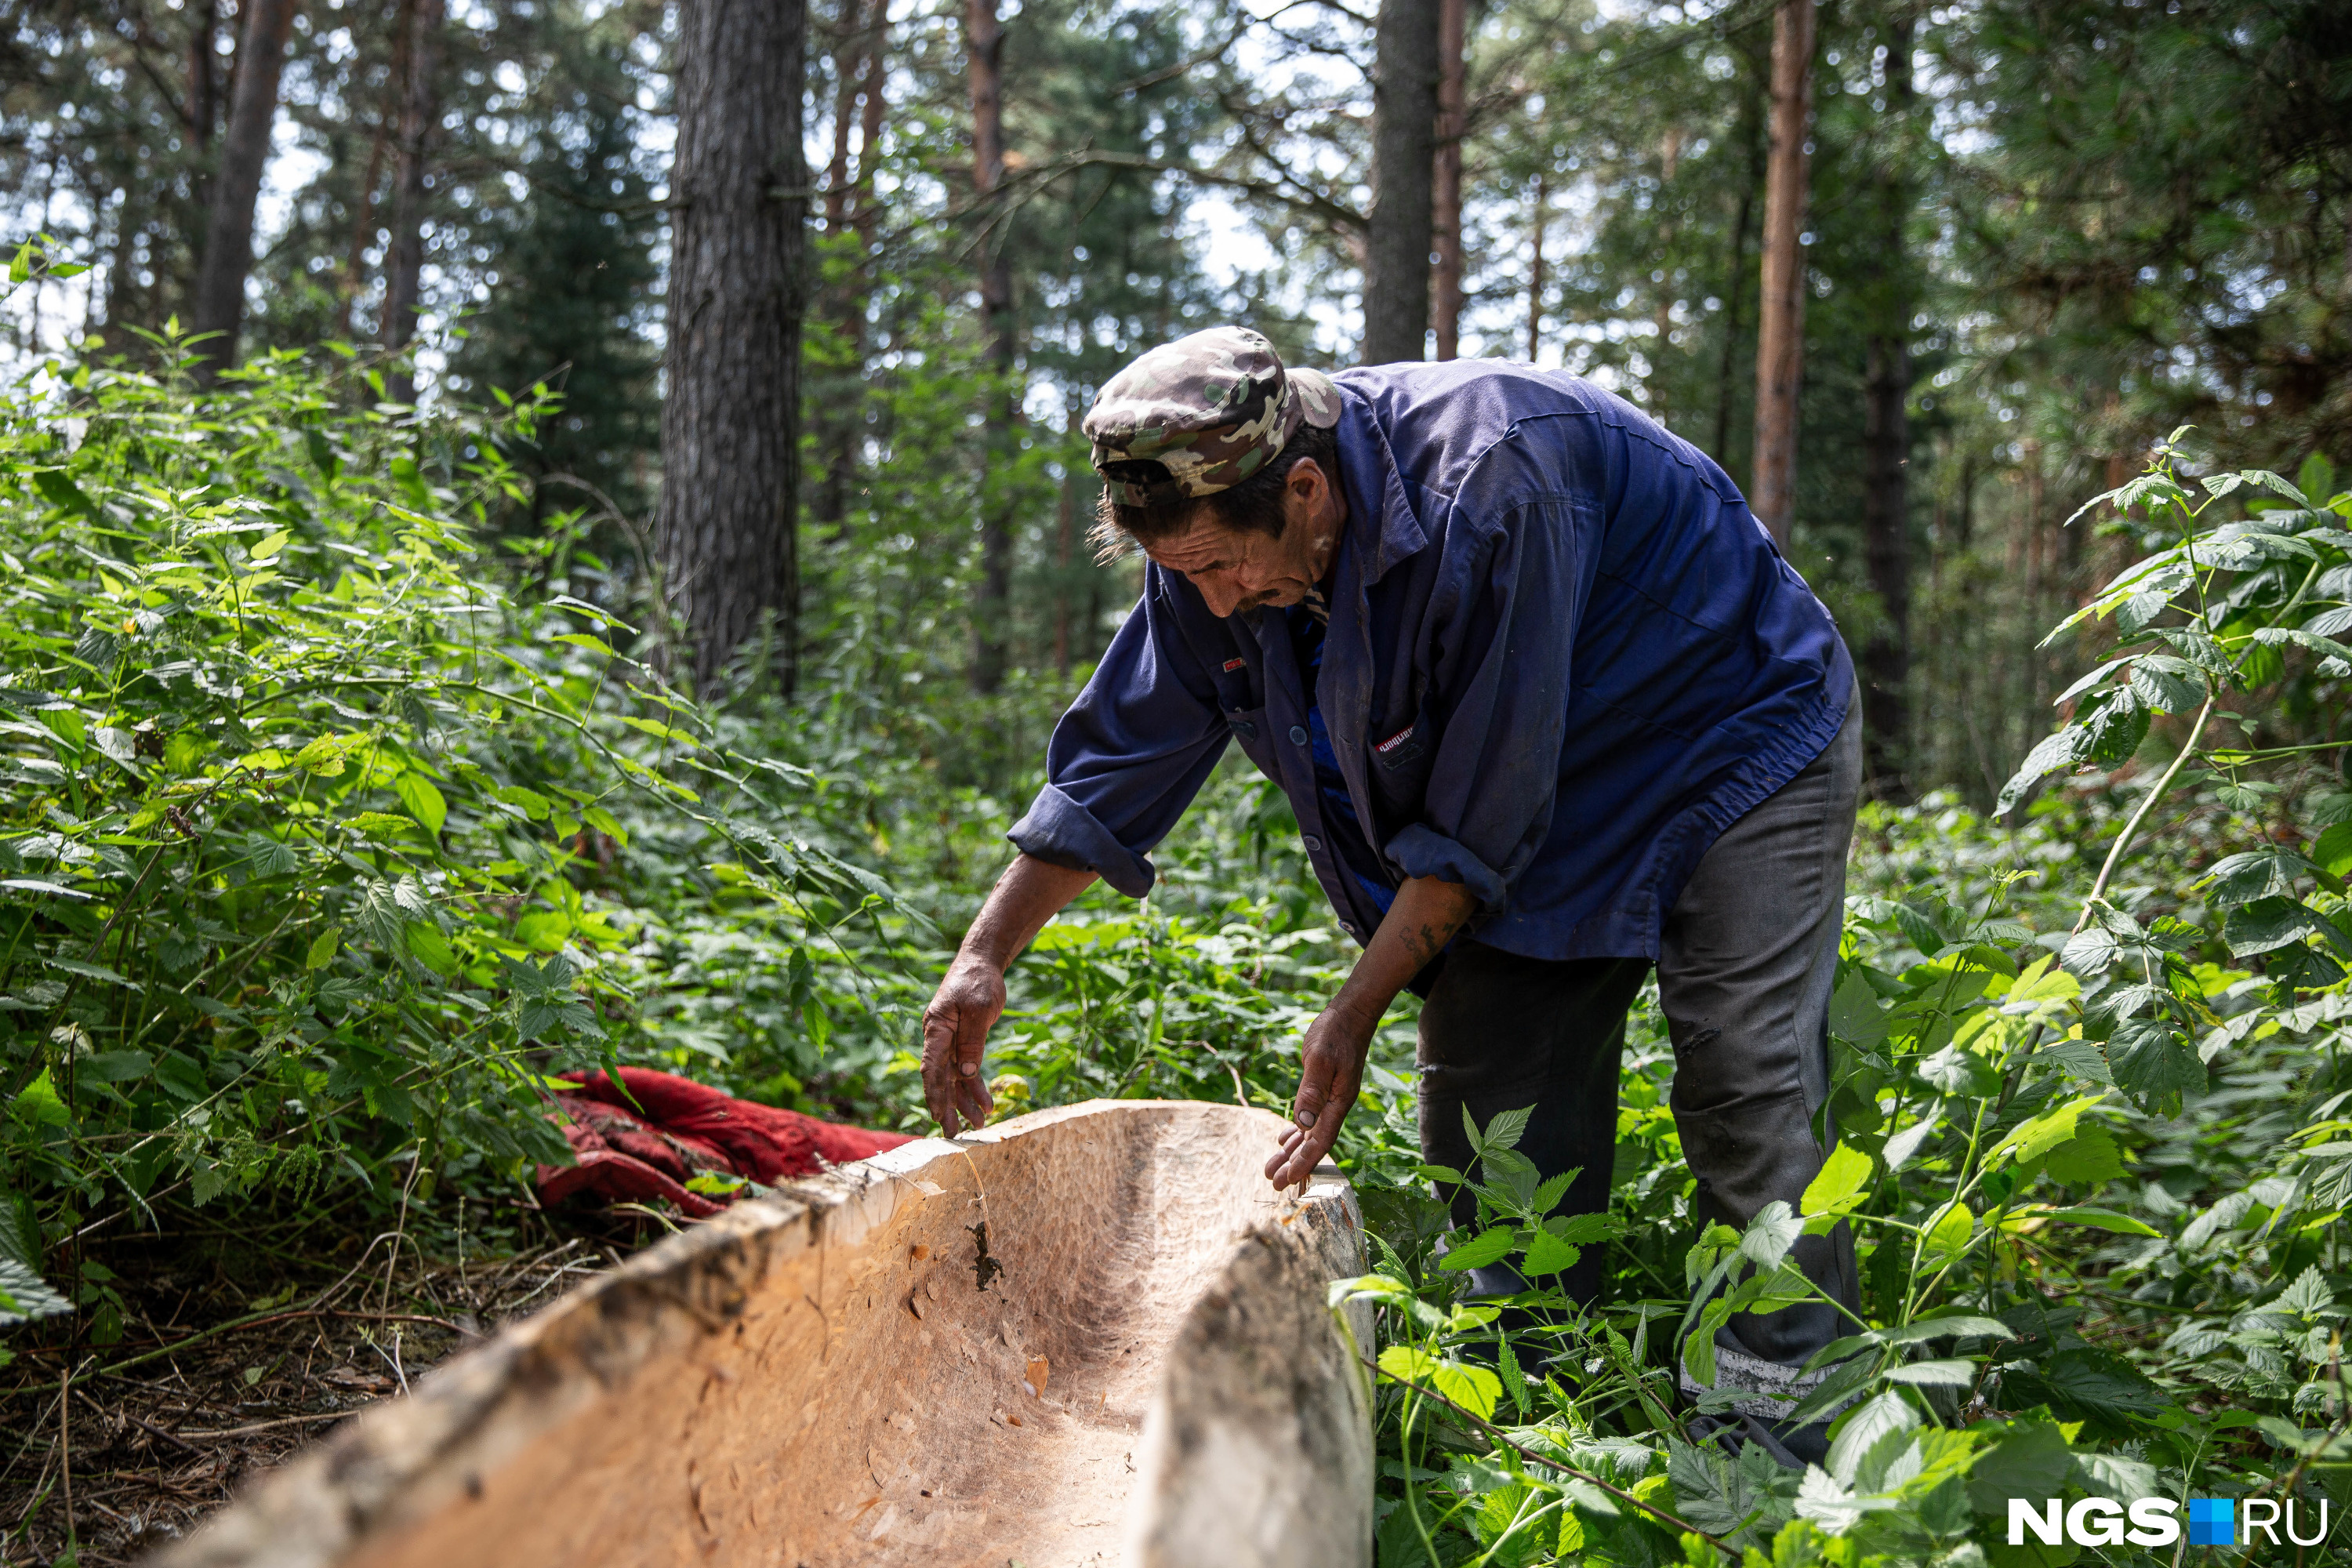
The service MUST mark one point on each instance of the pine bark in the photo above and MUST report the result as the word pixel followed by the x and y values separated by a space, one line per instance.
pixel 362 232
pixel 1404 157
pixel 730 423
pixel 420 117
pixel 1780 336
pixel 984 67
pixel 860 70
pixel 1445 195
pixel 217 309
pixel 848 71
pixel 1887 453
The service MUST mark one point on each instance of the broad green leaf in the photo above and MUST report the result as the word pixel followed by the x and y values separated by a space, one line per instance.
pixel 1474 1388
pixel 422 800
pixel 1950 1230
pixel 2079 1059
pixel 1486 1246
pixel 529 801
pixel 2103 1219
pixel 605 822
pixel 1341 1291
pixel 1698 1345
pixel 1838 1185
pixel 1771 1234
pixel 2334 850
pixel 1861 1428
pixel 2309 1296
pixel 431 949
pixel 2028 1461
pixel 322 948
pixel 1506 1129
pixel 1905 1144
pixel 2086 1159
pixel 1585 1229
pixel 1548 1253
pixel 1958 1325
pixel 1855 1016
pixel 2030 1140
pixel 2061 749
pixel 2154 1062
pixel 38 1105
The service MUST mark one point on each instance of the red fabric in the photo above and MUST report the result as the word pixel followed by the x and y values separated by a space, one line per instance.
pixel 647 1151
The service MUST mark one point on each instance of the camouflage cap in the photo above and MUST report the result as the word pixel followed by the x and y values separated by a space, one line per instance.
pixel 1210 408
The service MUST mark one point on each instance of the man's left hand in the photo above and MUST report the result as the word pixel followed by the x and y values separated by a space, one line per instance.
pixel 1332 1073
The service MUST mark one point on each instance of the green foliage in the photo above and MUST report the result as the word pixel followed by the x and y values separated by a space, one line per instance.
pixel 319 847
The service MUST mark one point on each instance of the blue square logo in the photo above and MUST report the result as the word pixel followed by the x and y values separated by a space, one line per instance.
pixel 2212 1521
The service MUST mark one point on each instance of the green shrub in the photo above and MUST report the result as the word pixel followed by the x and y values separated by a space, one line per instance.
pixel 320 846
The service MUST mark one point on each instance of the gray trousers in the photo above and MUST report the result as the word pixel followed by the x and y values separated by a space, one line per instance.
pixel 1746 966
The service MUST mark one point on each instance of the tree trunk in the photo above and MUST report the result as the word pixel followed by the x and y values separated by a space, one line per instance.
pixel 1405 164
pixel 204 78
pixel 1780 333
pixel 122 290
pixel 985 43
pixel 868 214
pixel 362 233
pixel 1886 450
pixel 849 54
pixel 1535 271
pixel 216 311
pixel 839 411
pixel 1885 525
pixel 1734 291
pixel 1445 195
pixel 730 423
pixel 420 117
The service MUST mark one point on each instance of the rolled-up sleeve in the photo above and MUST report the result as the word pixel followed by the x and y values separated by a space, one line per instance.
pixel 1505 627
pixel 1130 753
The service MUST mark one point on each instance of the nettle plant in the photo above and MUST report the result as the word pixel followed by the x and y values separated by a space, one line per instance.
pixel 2034 1323
pixel 319 847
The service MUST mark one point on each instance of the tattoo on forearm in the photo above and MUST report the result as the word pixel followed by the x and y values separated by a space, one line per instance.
pixel 1427 942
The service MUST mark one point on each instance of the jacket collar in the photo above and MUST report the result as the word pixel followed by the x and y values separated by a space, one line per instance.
pixel 1380 516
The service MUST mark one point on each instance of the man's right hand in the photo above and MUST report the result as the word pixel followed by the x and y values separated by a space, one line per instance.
pixel 955 1030
pixel 971 998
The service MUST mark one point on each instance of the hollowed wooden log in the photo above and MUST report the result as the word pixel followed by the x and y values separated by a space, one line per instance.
pixel 1148 1372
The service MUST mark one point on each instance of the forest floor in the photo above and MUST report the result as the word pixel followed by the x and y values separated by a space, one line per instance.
pixel 239 1345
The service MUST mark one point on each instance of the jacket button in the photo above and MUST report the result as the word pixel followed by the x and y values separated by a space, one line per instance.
pixel 1298 734
pixel 1313 843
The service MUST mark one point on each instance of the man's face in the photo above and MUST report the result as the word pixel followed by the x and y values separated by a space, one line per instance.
pixel 1238 571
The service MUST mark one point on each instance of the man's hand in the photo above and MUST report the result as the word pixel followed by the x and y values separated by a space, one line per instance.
pixel 1331 1071
pixel 1428 910
pixel 971 998
pixel 955 1032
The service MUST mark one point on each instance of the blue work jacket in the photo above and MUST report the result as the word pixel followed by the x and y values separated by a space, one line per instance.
pixel 1562 658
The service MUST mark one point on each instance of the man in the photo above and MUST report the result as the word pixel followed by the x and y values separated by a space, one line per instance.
pixel 1550 710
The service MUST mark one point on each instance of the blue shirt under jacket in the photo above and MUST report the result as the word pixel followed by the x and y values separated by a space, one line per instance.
pixel 1562 658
